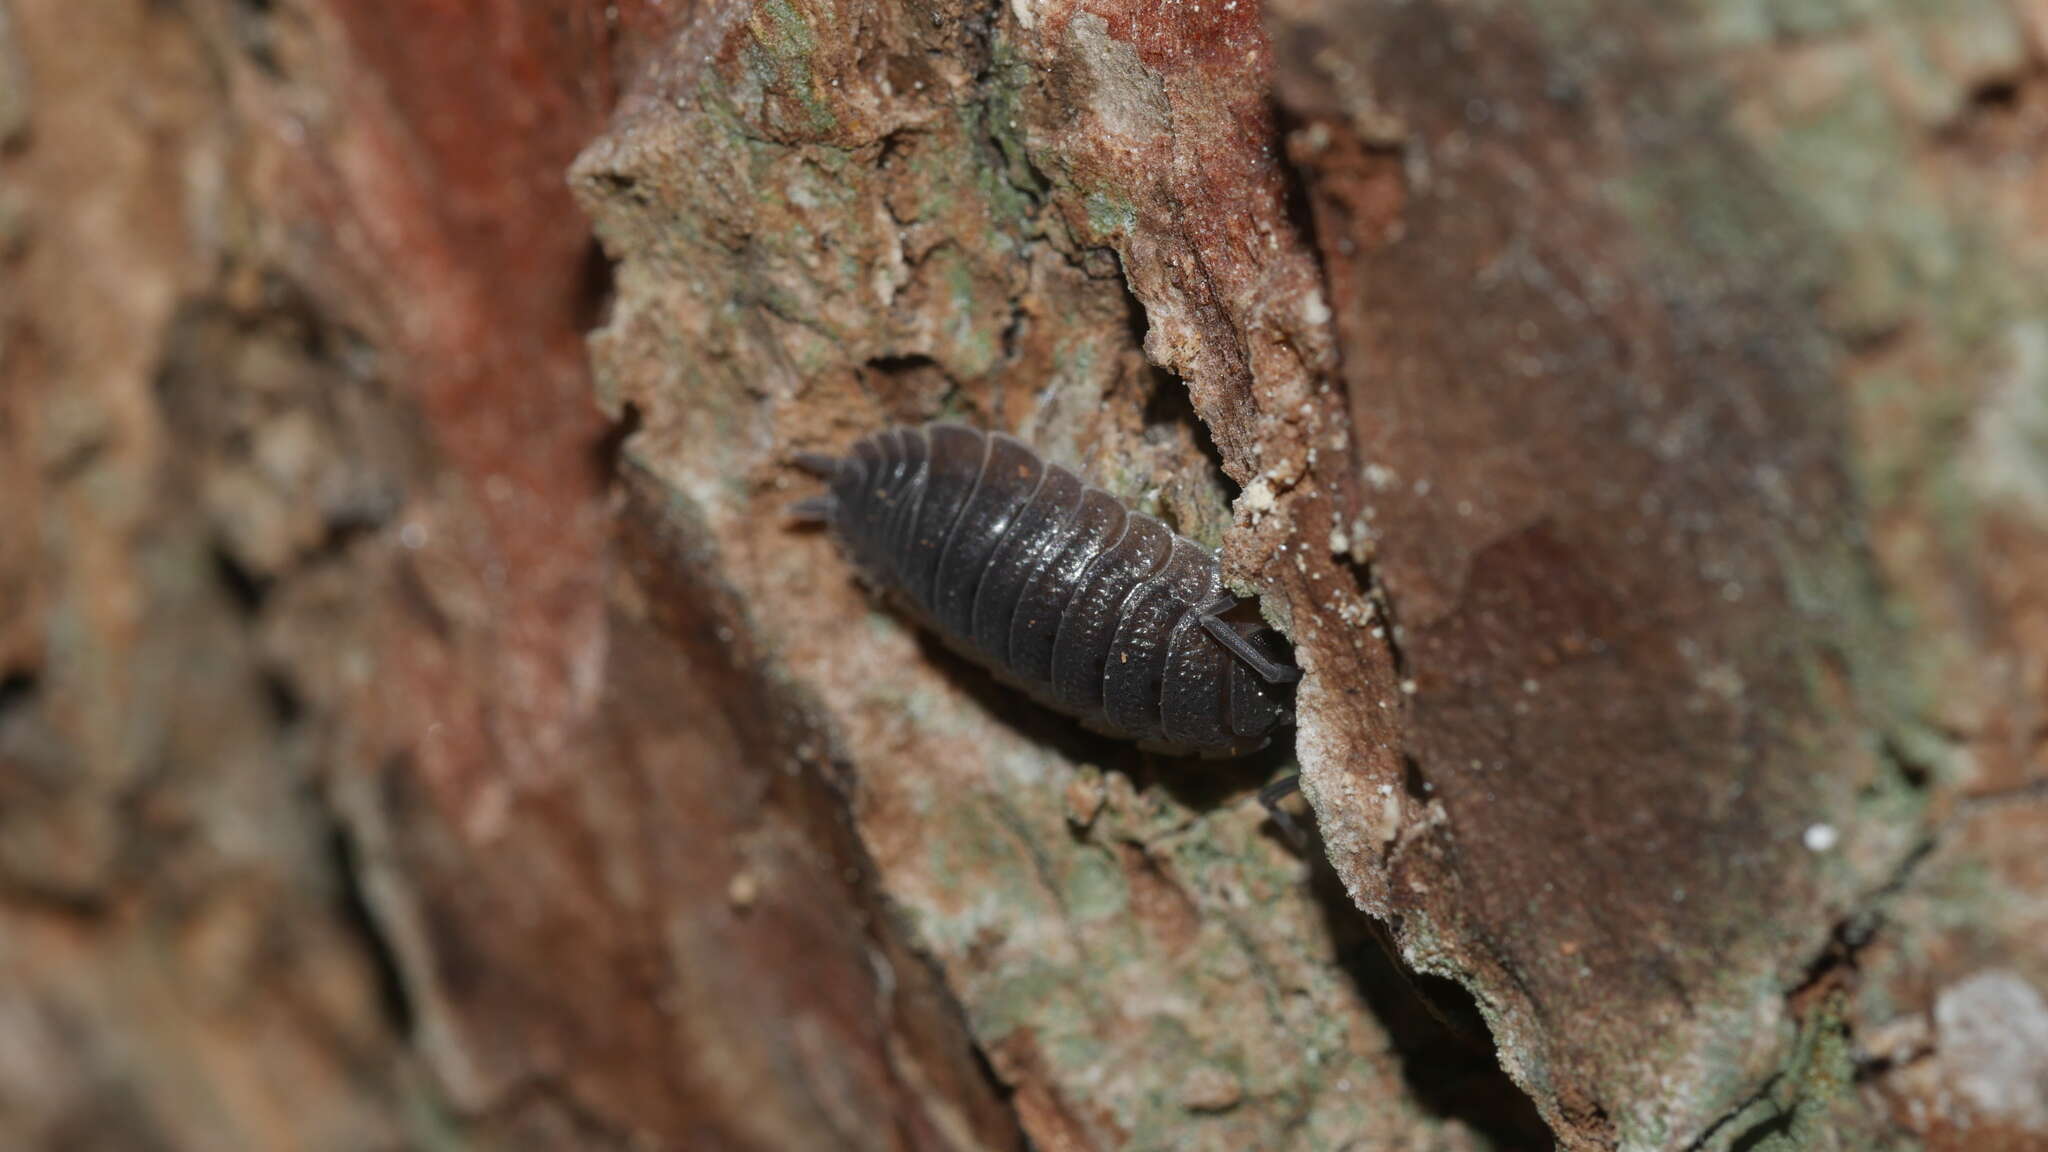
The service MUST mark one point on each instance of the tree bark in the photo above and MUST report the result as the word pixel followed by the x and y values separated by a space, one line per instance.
pixel 421 725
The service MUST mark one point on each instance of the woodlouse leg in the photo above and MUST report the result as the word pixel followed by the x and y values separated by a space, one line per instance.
pixel 1272 672
pixel 816 463
pixel 813 510
pixel 1270 797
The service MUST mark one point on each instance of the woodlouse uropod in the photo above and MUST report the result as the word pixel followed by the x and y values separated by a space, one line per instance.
pixel 1097 610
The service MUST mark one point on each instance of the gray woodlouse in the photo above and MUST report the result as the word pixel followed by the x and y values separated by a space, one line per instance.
pixel 1099 611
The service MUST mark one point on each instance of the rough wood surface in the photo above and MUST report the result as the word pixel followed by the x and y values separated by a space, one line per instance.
pixel 421 727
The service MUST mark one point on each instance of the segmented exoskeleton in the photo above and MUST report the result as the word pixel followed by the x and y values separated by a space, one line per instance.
pixel 1097 610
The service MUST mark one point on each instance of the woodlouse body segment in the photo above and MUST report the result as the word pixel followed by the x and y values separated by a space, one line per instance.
pixel 1097 610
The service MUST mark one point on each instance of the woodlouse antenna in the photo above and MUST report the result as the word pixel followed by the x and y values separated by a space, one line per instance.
pixel 1268 669
pixel 1240 645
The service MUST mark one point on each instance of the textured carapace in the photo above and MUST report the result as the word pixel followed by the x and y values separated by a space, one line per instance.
pixel 1094 609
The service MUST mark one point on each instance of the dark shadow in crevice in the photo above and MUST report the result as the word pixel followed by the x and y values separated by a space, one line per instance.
pixel 1997 94
pixel 910 387
pixel 281 698
pixel 901 366
pixel 1413 782
pixel 1013 332
pixel 1296 201
pixel 1168 408
pixel 17 689
pixel 1447 1055
pixel 356 915
pixel 1779 1124
pixel 595 291
pixel 253 24
pixel 246 589
pixel 1914 772
pixel 1170 419
pixel 1207 784
pixel 605 453
pixel 896 147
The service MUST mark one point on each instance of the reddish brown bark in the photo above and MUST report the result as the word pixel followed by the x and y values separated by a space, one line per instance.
pixel 419 723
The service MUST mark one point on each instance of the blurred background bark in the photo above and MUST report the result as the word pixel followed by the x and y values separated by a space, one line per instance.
pixel 420 727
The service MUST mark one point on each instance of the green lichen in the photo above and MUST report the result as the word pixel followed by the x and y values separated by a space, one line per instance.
pixel 1799 1108
pixel 1010 187
pixel 1092 885
pixel 779 56
pixel 1111 215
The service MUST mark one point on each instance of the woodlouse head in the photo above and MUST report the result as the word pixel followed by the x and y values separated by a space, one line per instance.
pixel 1258 707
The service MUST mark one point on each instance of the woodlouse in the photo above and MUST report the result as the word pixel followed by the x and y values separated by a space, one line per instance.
pixel 1100 611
